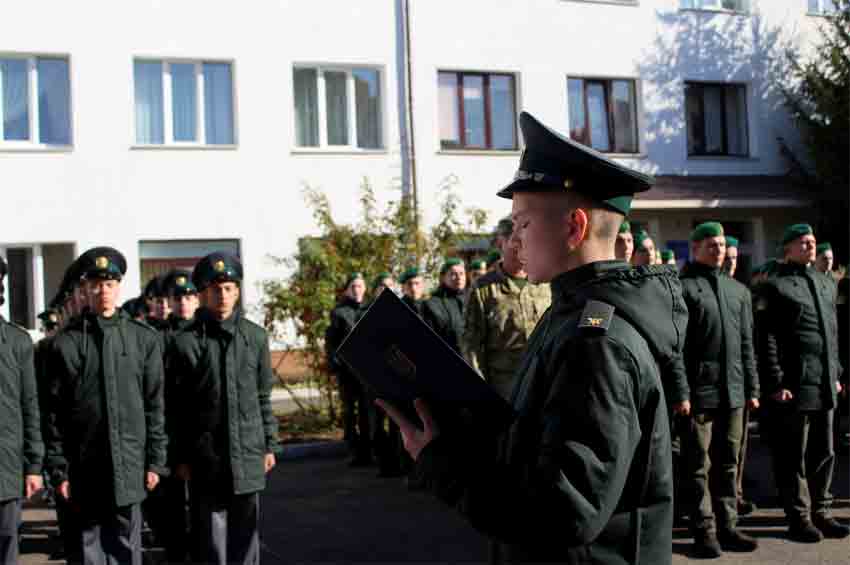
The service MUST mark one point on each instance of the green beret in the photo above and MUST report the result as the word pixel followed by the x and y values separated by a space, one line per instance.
pixel 505 227
pixel 667 254
pixel 410 273
pixel 353 277
pixel 707 229
pixel 379 279
pixel 553 163
pixel 639 239
pixel 493 256
pixel 449 263
pixel 825 246
pixel 216 267
pixel 478 264
pixel 731 241
pixel 795 231
pixel 102 263
pixel 625 227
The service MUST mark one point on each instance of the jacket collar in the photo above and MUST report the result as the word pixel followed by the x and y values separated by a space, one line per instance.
pixel 565 285
pixel 695 269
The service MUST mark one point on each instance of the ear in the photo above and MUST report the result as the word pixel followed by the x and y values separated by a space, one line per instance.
pixel 578 227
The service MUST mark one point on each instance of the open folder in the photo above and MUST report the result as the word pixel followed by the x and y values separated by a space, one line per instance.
pixel 399 357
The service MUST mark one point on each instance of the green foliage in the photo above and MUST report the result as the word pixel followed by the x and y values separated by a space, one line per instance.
pixel 381 240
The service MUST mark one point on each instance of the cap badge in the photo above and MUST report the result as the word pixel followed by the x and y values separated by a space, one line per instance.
pixel 219 266
pixel 101 262
pixel 181 281
pixel 568 183
pixel 53 318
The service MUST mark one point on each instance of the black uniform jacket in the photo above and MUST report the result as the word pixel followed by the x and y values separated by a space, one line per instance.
pixel 798 337
pixel 21 448
pixel 719 350
pixel 223 371
pixel 584 473
pixel 444 313
pixel 106 422
pixel 342 321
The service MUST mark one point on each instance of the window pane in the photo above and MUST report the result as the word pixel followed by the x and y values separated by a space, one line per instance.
pixel 814 6
pixel 625 122
pixel 218 103
pixel 736 120
pixel 147 78
pixel 449 132
pixel 830 6
pixel 54 102
pixel 15 85
pixel 306 108
pixel 575 99
pixel 473 111
pixel 184 101
pixel 502 112
pixel 367 97
pixel 599 138
pixel 696 131
pixel 337 104
pixel 713 119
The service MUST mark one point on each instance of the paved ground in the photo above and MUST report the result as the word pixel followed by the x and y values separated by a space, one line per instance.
pixel 318 510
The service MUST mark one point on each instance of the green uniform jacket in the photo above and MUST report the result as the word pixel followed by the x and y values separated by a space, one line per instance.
pixel 719 351
pixel 106 419
pixel 797 341
pixel 444 313
pixel 584 474
pixel 21 449
pixel 500 316
pixel 343 318
pixel 223 370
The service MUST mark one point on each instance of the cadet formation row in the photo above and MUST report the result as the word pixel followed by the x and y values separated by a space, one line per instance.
pixel 159 413
pixel 786 366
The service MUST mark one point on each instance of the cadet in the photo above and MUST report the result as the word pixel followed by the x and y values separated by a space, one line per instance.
pixel 644 250
pixel 720 362
pixel 444 310
pixel 21 448
pixel 412 288
pixel 502 311
pixel 730 263
pixel 668 257
pixel 227 438
pixel 156 300
pixel 624 247
pixel 799 369
pixel 824 258
pixel 106 442
pixel 382 282
pixel 583 473
pixel 355 404
pixel 477 269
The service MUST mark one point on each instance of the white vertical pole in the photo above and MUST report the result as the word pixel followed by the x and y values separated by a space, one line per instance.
pixel 322 107
pixel 201 105
pixel 33 101
pixel 37 300
pixel 352 109
pixel 167 104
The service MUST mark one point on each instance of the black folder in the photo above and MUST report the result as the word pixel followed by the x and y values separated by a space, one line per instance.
pixel 393 352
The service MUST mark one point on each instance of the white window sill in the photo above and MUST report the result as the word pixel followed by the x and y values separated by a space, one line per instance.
pixel 34 148
pixel 819 15
pixel 725 158
pixel 716 11
pixel 184 147
pixel 336 151
pixel 500 152
pixel 626 155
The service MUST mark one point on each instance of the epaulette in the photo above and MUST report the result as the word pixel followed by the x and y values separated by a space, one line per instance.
pixel 596 315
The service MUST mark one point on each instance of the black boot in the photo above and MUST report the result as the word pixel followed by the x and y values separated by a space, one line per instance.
pixel 830 527
pixel 706 545
pixel 735 540
pixel 804 531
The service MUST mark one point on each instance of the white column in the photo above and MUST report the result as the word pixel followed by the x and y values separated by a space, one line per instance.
pixel 37 282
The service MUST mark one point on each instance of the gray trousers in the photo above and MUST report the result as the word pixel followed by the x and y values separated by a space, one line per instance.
pixel 711 447
pixel 742 454
pixel 110 537
pixel 10 519
pixel 226 528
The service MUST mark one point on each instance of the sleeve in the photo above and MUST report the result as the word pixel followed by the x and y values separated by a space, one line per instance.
pixel 590 436
pixel 332 340
pixel 474 342
pixel 153 382
pixel 767 344
pixel 265 381
pixel 748 355
pixel 56 419
pixel 33 445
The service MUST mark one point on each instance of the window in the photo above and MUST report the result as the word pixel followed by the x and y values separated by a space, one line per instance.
pixel 822 7
pixel 338 107
pixel 183 103
pixel 717 119
pixel 35 101
pixel 159 257
pixel 603 114
pixel 35 273
pixel 477 111
pixel 730 5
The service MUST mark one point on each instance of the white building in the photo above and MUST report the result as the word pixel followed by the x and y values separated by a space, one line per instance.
pixel 169 130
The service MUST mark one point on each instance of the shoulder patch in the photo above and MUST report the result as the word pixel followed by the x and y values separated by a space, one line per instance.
pixel 596 315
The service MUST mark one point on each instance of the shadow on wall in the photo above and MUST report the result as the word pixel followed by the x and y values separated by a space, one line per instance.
pixel 716 47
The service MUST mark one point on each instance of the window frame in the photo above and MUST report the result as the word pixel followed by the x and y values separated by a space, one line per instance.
pixel 724 121
pixel 488 126
pixel 744 8
pixel 168 104
pixel 607 83
pixel 33 112
pixel 821 13
pixel 351 108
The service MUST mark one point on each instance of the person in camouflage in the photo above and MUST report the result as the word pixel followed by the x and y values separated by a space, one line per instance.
pixel 502 311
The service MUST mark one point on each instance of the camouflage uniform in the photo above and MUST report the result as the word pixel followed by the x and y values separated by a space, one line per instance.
pixel 500 316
